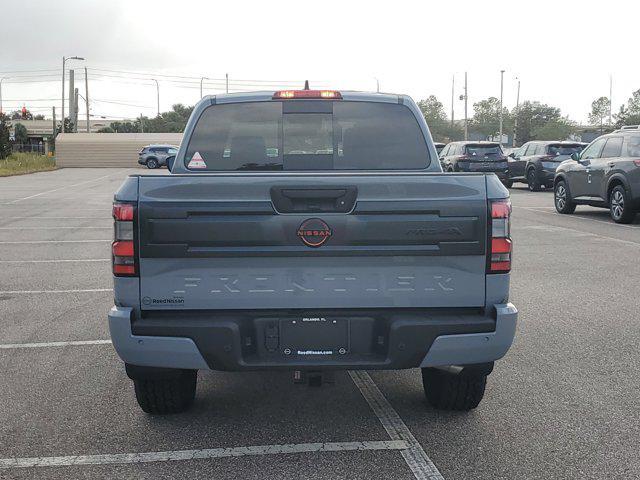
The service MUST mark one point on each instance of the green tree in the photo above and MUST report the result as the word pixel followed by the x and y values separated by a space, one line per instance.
pixel 559 129
pixel 5 144
pixel 629 114
pixel 441 129
pixel 21 135
pixel 125 127
pixel 531 117
pixel 486 118
pixel 172 121
pixel 599 111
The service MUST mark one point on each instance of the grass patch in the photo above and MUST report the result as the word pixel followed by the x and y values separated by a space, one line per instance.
pixel 19 163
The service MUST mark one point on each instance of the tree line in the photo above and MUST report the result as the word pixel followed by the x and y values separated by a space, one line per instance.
pixel 531 120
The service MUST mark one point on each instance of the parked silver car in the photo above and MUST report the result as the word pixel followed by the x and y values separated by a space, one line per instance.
pixel 155 156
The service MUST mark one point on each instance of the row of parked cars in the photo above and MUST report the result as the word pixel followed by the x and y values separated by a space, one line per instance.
pixel 604 173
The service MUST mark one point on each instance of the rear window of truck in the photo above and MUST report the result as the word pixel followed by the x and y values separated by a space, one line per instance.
pixel 307 135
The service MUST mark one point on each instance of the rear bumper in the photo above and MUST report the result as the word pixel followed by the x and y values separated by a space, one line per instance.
pixel 227 341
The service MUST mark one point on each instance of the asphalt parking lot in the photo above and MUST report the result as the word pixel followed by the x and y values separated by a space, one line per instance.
pixel 562 404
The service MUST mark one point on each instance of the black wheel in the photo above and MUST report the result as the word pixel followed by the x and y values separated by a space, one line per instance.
pixel 448 391
pixel 620 205
pixel 562 198
pixel 532 180
pixel 152 163
pixel 161 396
pixel 508 183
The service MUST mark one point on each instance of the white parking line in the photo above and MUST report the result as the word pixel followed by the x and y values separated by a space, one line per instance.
pixel 416 458
pixel 10 346
pixel 56 218
pixel 57 228
pixel 88 290
pixel 577 217
pixel 65 187
pixel 177 455
pixel 78 260
pixel 626 242
pixel 54 241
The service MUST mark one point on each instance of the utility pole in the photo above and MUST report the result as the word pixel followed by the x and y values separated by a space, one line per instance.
pixel 466 118
pixel 610 96
pixel 226 75
pixel 377 85
pixel 453 90
pixel 86 97
pixel 515 122
pixel 54 132
pixel 501 98
pixel 64 60
pixel 72 91
pixel 74 113
pixel 141 125
pixel 1 79
pixel 158 94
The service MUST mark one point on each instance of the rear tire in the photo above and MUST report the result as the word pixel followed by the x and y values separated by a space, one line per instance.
pixel 447 391
pixel 152 163
pixel 562 198
pixel 532 181
pixel 161 396
pixel 620 205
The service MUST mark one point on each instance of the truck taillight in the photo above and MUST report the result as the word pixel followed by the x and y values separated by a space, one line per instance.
pixel 500 246
pixel 123 251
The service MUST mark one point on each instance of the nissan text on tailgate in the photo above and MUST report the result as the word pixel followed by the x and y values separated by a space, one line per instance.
pixel 310 231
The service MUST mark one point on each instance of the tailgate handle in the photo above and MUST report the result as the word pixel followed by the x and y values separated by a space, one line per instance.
pixel 308 200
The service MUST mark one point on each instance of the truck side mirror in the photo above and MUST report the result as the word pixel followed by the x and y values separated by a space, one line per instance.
pixel 512 155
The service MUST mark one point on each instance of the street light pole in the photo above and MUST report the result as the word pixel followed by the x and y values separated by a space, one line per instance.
pixel 515 122
pixel 201 79
pixel 1 79
pixel 377 85
pixel 501 98
pixel 453 89
pixel 157 95
pixel 64 60
pixel 226 76
pixel 466 118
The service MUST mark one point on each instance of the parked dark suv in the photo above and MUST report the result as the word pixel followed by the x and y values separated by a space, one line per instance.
pixel 475 157
pixel 605 174
pixel 535 163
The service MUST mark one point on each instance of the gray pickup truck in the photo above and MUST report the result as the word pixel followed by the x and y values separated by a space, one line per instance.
pixel 310 231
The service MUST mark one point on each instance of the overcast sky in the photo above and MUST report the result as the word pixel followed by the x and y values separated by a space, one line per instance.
pixel 563 51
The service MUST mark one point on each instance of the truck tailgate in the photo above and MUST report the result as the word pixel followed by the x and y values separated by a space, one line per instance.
pixel 250 241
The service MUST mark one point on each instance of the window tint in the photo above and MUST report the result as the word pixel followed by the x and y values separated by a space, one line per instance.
pixel 172 151
pixel 633 146
pixel 560 149
pixel 613 148
pixel 520 152
pixel 357 135
pixel 593 150
pixel 530 149
pixel 482 150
